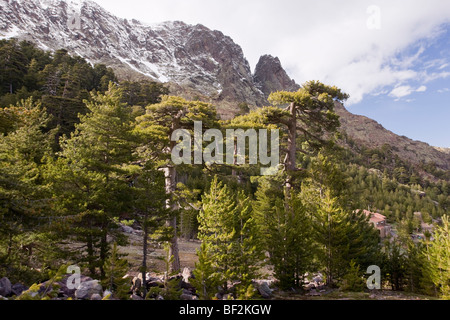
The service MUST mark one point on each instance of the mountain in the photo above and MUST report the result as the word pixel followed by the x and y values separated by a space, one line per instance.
pixel 195 61
pixel 371 134
pixel 271 77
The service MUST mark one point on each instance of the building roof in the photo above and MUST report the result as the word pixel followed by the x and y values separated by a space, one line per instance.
pixel 375 217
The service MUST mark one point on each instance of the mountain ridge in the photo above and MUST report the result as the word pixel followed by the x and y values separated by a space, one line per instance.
pixel 195 61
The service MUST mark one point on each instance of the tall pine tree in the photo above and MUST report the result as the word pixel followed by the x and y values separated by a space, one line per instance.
pixel 90 178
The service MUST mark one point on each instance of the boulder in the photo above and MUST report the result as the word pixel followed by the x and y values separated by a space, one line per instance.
pixel 318 278
pixel 136 298
pixel 64 291
pixel 5 287
pixel 18 288
pixel 188 297
pixel 106 293
pixel 87 289
pixel 264 290
pixel 188 286
pixel 96 297
pixel 227 297
pixel 137 284
pixel 186 274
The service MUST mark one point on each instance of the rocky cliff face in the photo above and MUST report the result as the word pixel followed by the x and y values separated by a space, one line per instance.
pixel 271 77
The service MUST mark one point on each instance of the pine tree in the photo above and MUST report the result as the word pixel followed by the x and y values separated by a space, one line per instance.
pixel 115 270
pixel 343 233
pixel 206 278
pixel 438 259
pixel 247 251
pixel 217 227
pixel 394 264
pixel 89 179
pixel 12 66
pixel 353 280
pixel 309 115
pixel 161 121
pixel 331 226
pixel 285 228
pixel 24 210
pixel 149 200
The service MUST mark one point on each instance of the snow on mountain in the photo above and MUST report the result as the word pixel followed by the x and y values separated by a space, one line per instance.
pixel 191 57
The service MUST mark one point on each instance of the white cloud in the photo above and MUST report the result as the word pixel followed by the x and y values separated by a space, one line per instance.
pixel 320 40
pixel 422 89
pixel 400 92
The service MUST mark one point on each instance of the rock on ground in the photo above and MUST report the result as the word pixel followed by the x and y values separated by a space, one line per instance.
pixel 18 288
pixel 87 289
pixel 5 287
pixel 264 290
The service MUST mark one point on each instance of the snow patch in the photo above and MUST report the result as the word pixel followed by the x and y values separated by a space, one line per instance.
pixel 136 69
pixel 13 32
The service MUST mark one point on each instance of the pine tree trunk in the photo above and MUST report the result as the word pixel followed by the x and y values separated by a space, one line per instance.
pixel 290 163
pixel 170 174
pixel 144 255
pixel 90 257
pixel 103 253
pixel 10 244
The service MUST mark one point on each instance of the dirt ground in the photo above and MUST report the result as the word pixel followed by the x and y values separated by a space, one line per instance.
pixel 155 258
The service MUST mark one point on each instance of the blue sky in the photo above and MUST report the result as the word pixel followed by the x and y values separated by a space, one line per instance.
pixel 392 57
pixel 418 108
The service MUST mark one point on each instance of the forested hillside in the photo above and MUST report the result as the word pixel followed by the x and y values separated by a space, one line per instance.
pixel 84 156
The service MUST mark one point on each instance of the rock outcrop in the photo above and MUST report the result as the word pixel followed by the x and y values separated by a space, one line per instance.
pixel 270 76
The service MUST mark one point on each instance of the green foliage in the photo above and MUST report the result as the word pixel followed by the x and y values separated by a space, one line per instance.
pixel 341 235
pixel 394 264
pixel 216 228
pixel 247 252
pixel 23 209
pixel 230 239
pixel 142 93
pixel 115 270
pixel 206 278
pixel 438 256
pixel 172 287
pixel 89 180
pixel 353 280
pixel 312 113
pixel 286 227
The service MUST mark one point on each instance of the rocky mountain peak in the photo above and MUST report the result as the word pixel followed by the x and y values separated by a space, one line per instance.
pixel 192 58
pixel 270 76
